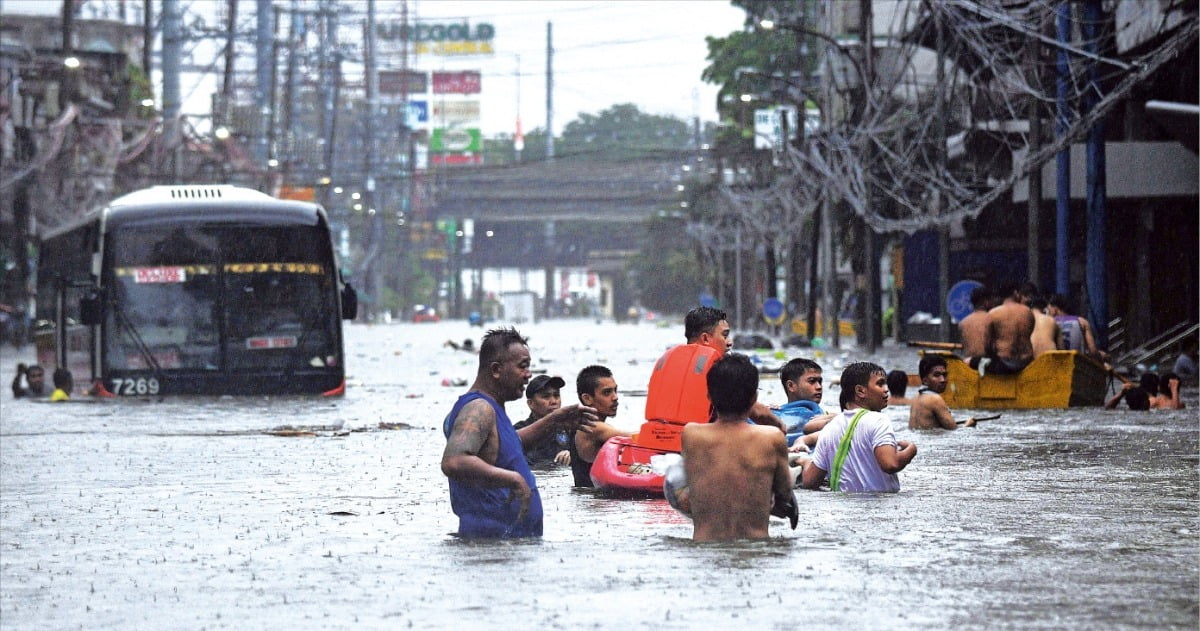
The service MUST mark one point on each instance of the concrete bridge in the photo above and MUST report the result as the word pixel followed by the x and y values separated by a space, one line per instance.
pixel 569 212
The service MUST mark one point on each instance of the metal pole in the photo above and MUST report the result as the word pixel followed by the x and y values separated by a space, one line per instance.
pixel 227 79
pixel 1033 220
pixel 737 271
pixel 1062 206
pixel 944 231
pixel 147 37
pixel 549 91
pixel 264 53
pixel 870 240
pixel 172 54
pixel 1097 228
pixel 830 328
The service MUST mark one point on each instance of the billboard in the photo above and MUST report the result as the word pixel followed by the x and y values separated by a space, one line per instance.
pixel 400 82
pixel 452 140
pixel 437 38
pixel 465 82
pixel 456 113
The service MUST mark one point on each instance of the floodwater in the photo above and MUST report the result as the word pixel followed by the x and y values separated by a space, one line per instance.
pixel 186 514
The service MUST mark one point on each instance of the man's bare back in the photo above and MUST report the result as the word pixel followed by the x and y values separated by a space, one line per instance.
pixel 974 331
pixel 734 470
pixel 1046 333
pixel 1011 329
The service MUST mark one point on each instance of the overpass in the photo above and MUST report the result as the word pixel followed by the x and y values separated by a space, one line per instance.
pixel 569 212
pixel 565 189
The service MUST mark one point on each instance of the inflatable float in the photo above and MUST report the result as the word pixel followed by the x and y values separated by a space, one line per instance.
pixel 677 395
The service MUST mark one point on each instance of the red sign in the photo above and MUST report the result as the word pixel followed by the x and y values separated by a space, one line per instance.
pixel 455 158
pixel 260 343
pixel 465 82
pixel 159 275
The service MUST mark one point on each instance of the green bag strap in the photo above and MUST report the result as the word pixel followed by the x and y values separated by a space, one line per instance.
pixel 843 450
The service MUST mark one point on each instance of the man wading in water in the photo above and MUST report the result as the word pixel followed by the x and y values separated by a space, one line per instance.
pixel 492 490
pixel 858 449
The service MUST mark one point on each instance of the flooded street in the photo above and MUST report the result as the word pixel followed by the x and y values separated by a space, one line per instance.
pixel 186 513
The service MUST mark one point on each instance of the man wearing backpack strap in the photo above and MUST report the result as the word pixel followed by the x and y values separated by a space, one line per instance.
pixel 858 451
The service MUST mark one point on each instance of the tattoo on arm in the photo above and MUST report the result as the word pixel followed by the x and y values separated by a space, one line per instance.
pixel 472 430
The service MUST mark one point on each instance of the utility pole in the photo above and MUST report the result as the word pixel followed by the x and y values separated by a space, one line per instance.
pixel 147 37
pixel 273 96
pixel 870 239
pixel 1034 209
pixel 172 56
pixel 549 227
pixel 370 268
pixel 831 327
pixel 264 52
pixel 1062 181
pixel 227 79
pixel 1097 221
pixel 940 164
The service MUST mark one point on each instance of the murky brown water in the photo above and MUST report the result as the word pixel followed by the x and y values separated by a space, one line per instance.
pixel 183 514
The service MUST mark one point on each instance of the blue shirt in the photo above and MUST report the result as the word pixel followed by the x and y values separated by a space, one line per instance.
pixel 491 512
pixel 795 415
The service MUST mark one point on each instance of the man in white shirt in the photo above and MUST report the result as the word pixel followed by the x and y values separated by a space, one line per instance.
pixel 870 457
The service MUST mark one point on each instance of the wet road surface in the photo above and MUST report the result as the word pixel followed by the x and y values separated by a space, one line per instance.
pixel 187 513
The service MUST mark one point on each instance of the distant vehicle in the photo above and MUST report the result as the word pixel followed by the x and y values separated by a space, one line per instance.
pixel 422 313
pixel 519 306
pixel 195 290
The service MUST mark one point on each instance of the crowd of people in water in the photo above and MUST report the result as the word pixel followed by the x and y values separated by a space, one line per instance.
pixel 743 465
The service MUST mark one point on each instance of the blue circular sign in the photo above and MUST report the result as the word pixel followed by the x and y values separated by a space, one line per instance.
pixel 707 299
pixel 958 301
pixel 773 310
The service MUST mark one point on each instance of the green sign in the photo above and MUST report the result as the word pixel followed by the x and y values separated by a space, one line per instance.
pixel 456 140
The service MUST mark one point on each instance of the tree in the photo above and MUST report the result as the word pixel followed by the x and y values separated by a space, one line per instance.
pixel 623 132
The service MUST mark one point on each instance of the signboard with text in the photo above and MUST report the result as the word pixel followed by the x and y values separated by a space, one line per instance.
pixel 769 126
pixel 464 82
pixel 452 113
pixel 439 38
pixel 450 140
pixel 399 82
pixel 416 113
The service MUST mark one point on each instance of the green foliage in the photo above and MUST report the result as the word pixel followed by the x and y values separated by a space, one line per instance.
pixel 668 274
pixel 623 132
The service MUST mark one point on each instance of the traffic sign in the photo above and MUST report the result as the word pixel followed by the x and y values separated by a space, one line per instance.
pixel 773 310
pixel 958 301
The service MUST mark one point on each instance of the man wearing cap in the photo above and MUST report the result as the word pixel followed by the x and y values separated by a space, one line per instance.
pixel 544 395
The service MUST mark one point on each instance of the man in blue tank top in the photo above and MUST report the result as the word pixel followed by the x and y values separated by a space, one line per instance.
pixel 492 489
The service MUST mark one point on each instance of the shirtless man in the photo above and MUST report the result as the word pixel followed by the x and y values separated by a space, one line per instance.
pixel 737 472
pixel 974 328
pixel 1010 331
pixel 597 390
pixel 929 409
pixel 1047 335
pixel 492 489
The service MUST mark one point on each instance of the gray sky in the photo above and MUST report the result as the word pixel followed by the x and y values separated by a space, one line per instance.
pixel 650 53
pixel 647 52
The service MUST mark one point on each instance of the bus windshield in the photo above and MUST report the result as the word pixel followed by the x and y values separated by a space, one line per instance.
pixel 221 298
